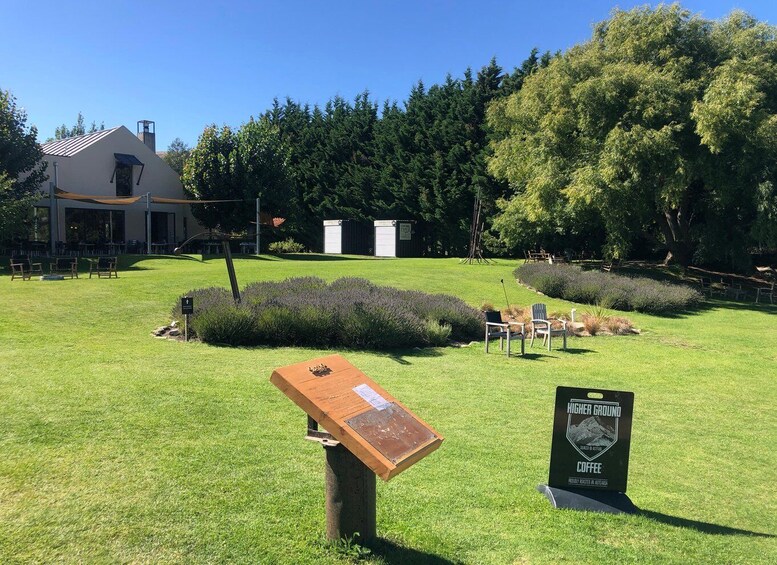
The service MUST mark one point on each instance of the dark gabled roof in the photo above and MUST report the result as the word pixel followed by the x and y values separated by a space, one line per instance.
pixel 71 145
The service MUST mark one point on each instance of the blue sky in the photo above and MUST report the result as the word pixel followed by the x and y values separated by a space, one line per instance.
pixel 188 64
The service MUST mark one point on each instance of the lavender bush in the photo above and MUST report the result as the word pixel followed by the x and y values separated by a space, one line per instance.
pixel 571 283
pixel 349 312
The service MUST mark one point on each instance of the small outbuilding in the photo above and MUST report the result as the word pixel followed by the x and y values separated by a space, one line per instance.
pixel 396 238
pixel 349 237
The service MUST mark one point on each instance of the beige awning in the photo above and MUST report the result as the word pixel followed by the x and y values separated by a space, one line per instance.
pixel 94 198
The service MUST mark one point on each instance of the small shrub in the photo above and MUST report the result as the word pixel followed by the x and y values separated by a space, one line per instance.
pixel 571 283
pixel 592 323
pixel 285 246
pixel 617 325
pixel 227 325
pixel 437 334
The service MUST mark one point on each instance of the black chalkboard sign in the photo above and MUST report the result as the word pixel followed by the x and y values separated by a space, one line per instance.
pixel 187 305
pixel 591 439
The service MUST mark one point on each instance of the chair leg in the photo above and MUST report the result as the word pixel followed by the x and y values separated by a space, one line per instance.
pixel 550 338
pixel 531 343
pixel 523 346
pixel 508 343
pixel 565 340
pixel 486 341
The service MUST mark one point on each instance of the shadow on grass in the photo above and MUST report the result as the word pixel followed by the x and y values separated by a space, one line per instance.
pixel 703 527
pixel 398 355
pixel 321 257
pixel 395 554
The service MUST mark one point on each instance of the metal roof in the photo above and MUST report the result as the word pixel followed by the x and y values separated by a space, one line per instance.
pixel 71 145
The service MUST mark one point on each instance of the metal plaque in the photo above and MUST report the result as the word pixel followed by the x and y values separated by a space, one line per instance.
pixel 591 439
pixel 392 431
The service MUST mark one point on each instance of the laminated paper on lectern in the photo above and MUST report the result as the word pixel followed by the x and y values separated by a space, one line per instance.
pixel 359 413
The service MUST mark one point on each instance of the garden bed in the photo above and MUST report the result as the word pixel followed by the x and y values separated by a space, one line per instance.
pixel 572 283
pixel 349 312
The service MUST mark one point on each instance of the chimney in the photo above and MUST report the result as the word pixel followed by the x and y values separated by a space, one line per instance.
pixel 146 133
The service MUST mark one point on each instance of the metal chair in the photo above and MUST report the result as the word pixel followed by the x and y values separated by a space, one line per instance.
pixel 496 327
pixel 543 326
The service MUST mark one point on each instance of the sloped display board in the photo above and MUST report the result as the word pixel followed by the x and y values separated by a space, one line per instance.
pixel 373 425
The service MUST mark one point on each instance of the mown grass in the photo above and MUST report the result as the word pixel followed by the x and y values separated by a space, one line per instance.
pixel 118 447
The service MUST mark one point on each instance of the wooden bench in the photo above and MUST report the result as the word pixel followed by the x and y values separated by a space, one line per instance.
pixel 64 266
pixel 103 267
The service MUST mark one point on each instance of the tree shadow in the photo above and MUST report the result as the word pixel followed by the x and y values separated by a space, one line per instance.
pixel 322 257
pixel 395 554
pixel 398 356
pixel 703 527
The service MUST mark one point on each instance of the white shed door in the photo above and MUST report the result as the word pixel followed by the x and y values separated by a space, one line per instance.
pixel 333 240
pixel 385 241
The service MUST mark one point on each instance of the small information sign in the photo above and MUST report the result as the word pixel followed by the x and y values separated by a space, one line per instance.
pixel 591 439
pixel 368 421
pixel 405 232
pixel 187 305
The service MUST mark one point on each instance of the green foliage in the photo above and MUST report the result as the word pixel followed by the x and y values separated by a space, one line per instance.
pixel 286 246
pixel 662 123
pixel 22 170
pixel 79 128
pixel 607 290
pixel 176 155
pixel 226 325
pixel 348 547
pixel 241 166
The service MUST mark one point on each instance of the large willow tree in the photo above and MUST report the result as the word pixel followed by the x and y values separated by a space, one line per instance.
pixel 662 125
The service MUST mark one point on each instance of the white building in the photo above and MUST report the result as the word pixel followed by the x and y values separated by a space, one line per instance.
pixel 110 179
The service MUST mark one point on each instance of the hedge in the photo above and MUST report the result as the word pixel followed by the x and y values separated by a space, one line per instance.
pixel 572 283
pixel 349 312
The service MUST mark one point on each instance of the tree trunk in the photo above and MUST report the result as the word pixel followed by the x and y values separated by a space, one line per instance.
pixel 675 227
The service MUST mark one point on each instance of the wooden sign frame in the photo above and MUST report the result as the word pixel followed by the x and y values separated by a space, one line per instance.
pixel 373 425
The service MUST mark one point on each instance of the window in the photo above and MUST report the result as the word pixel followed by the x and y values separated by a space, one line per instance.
pixel 94 226
pixel 123 179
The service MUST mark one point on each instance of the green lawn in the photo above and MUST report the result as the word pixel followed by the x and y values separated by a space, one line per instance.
pixel 118 447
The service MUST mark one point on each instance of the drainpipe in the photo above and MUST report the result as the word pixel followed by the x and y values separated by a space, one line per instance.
pixel 54 211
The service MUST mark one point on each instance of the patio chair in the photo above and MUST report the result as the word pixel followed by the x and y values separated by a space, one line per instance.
pixel 103 267
pixel 22 266
pixel 496 327
pixel 543 326
pixel 733 289
pixel 64 266
pixel 765 291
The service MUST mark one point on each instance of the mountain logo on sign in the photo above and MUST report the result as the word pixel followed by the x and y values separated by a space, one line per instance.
pixel 592 435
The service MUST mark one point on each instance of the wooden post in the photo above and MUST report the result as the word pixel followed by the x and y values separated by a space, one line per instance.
pixel 350 496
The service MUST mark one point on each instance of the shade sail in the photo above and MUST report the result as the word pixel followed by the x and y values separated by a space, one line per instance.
pixel 94 198
pixel 160 200
pixel 126 159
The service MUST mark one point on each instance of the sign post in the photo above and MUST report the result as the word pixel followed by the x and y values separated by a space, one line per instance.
pixel 589 457
pixel 187 307
pixel 368 433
